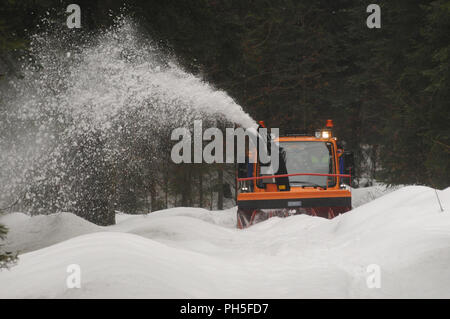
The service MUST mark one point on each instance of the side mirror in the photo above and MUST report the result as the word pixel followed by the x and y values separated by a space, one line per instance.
pixel 267 170
pixel 349 162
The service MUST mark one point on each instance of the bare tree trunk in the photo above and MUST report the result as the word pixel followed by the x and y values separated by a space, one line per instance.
pixel 166 186
pixel 152 199
pixel 186 197
pixel 211 193
pixel 200 186
pixel 220 189
pixel 189 188
pixel 235 182
pixel 374 161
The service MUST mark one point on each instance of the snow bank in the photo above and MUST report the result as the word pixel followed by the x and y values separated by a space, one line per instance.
pixel 364 195
pixel 28 233
pixel 194 253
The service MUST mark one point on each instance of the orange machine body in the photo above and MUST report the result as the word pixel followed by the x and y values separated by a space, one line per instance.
pixel 261 201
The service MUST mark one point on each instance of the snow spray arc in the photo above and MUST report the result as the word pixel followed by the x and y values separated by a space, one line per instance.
pixel 213 151
pixel 90 108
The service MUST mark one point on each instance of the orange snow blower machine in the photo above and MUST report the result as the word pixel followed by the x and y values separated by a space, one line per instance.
pixel 310 178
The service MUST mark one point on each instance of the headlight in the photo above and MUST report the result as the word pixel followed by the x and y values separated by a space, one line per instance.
pixel 325 134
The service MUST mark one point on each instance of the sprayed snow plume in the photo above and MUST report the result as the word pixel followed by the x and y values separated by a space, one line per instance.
pixel 86 110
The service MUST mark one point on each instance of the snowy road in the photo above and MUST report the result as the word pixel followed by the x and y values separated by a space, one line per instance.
pixel 194 253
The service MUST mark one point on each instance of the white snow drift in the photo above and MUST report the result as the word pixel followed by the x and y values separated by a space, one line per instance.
pixel 194 253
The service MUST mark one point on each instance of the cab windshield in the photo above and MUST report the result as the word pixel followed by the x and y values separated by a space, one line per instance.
pixel 309 157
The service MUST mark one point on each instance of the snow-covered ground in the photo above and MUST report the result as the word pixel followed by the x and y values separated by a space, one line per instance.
pixel 364 195
pixel 195 253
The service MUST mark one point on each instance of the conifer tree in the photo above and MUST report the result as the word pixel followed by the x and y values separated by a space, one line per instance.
pixel 7 259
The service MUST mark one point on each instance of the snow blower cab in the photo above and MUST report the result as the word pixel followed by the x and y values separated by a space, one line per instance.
pixel 310 178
